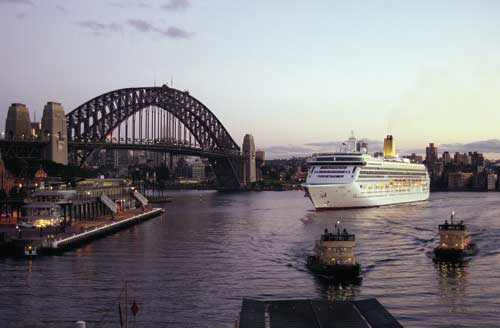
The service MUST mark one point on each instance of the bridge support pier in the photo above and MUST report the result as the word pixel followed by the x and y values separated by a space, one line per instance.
pixel 229 172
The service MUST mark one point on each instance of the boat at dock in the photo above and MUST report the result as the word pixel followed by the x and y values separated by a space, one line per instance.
pixel 454 241
pixel 334 256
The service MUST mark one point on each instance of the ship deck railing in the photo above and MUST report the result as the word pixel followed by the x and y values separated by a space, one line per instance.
pixel 452 226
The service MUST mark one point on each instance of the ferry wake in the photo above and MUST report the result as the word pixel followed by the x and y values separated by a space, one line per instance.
pixel 351 178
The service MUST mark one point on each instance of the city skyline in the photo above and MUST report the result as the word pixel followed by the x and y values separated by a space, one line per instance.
pixel 323 71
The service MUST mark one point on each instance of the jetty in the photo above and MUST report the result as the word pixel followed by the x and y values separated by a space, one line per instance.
pixel 65 242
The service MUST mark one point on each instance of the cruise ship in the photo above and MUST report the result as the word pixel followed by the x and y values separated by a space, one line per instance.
pixel 351 178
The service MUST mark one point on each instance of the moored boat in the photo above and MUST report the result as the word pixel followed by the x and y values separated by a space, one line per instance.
pixel 334 256
pixel 454 241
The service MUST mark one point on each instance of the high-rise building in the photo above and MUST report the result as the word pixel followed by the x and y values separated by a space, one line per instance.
pixel 389 146
pixel 491 181
pixel 431 156
pixel 446 158
pixel 459 180
pixel 54 130
pixel 18 123
pixel 249 159
pixel 414 158
pixel 362 146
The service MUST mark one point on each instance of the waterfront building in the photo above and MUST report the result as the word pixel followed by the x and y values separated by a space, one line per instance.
pixel 436 171
pixel 476 159
pixel 462 159
pixel 414 158
pixel 362 147
pixel 55 203
pixel 459 180
pixel 260 158
pixel 54 130
pixel 446 158
pixel 491 181
pixel 249 159
pixel 48 206
pixel 431 156
pixel 182 169
pixel 18 124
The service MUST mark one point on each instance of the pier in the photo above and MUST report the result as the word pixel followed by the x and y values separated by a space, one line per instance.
pixel 79 233
pixel 62 243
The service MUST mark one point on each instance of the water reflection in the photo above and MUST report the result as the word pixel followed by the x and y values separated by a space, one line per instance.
pixel 452 283
pixel 338 290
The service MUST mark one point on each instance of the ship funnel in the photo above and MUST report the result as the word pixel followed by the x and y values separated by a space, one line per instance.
pixel 389 146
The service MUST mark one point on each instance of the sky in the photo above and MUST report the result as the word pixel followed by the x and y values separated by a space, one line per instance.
pixel 298 75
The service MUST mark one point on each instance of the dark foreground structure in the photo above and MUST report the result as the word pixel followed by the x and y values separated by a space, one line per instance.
pixel 315 314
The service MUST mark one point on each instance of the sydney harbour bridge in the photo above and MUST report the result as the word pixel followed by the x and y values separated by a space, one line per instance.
pixel 154 119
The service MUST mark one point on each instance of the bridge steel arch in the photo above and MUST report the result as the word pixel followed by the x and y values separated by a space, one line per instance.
pixel 94 120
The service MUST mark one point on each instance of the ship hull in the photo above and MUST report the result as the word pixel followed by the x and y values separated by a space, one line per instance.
pixel 348 196
pixel 334 271
pixel 454 254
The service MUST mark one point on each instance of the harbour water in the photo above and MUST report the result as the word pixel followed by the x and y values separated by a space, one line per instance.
pixel 192 267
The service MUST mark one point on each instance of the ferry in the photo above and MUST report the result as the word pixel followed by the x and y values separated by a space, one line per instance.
pixel 454 241
pixel 334 256
pixel 351 178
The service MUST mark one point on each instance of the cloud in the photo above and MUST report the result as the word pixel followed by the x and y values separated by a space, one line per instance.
pixel 171 32
pixel 176 5
pixel 177 33
pixel 141 25
pixel 483 146
pixel 373 145
pixel 100 28
pixel 287 151
pixel 116 4
pixel 62 9
pixel 20 2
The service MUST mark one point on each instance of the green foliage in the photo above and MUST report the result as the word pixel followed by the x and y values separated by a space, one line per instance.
pixel 26 169
pixel 3 194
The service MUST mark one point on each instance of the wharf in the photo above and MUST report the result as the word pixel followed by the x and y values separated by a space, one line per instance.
pixel 85 231
pixel 315 314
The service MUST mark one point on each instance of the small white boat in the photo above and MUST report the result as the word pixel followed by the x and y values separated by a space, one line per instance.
pixel 30 251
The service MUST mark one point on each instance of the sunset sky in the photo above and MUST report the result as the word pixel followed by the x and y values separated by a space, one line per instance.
pixel 298 75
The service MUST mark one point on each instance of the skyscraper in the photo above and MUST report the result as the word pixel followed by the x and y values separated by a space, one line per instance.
pixel 249 161
pixel 431 156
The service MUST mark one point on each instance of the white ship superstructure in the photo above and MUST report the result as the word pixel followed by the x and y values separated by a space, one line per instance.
pixel 351 179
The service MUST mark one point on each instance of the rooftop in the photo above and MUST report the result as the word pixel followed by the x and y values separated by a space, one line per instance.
pixel 315 314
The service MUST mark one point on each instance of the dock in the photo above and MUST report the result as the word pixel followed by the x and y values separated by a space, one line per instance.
pixel 59 244
pixel 81 232
pixel 315 314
